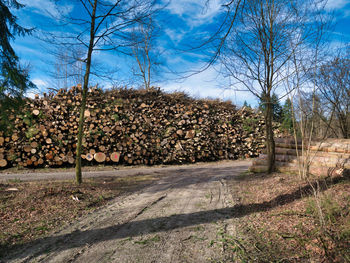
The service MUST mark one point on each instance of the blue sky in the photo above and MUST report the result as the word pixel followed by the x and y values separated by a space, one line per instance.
pixel 181 21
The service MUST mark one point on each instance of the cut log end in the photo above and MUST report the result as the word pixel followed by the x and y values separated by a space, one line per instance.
pixel 3 163
pixel 100 157
pixel 89 157
pixel 115 156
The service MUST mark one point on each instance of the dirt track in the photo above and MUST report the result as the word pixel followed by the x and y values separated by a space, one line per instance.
pixel 179 218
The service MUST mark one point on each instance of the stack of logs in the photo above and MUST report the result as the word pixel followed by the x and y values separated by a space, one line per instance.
pixel 330 157
pixel 129 127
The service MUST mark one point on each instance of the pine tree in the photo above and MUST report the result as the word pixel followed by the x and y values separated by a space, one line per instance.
pixel 14 80
pixel 276 107
pixel 287 116
pixel 245 104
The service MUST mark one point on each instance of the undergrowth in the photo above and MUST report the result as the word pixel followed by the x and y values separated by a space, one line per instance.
pixel 292 231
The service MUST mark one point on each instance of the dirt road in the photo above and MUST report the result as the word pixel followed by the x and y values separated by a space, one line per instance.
pixel 182 217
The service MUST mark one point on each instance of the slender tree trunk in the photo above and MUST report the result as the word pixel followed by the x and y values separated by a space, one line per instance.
pixel 343 125
pixel 78 175
pixel 270 142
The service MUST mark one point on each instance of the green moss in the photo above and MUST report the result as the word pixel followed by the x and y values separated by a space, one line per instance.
pixel 13 157
pixel 249 124
pixel 31 132
pixel 115 117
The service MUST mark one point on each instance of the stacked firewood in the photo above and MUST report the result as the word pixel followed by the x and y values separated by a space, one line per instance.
pixel 129 127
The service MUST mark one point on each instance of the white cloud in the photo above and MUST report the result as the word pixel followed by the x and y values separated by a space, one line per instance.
pixel 336 4
pixel 208 84
pixel 175 36
pixel 47 8
pixel 195 12
pixel 30 95
pixel 41 84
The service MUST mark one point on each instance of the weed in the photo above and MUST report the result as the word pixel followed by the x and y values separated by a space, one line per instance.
pixel 333 236
pixel 125 240
pixel 208 195
pixel 15 180
pixel 156 238
pixel 211 243
pixel 42 228
pixel 233 246
pixel 199 228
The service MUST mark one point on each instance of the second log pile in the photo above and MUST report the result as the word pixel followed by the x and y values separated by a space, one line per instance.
pixel 129 127
pixel 328 158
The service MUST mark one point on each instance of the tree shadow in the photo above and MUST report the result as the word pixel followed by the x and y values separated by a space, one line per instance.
pixel 160 224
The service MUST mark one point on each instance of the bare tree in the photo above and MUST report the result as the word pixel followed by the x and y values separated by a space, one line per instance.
pixel 145 51
pixel 259 46
pixel 333 81
pixel 100 25
pixel 68 68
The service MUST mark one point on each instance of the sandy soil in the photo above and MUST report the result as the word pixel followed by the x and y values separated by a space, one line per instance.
pixel 179 218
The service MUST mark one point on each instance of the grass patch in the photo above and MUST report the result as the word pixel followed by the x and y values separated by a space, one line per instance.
pixel 147 241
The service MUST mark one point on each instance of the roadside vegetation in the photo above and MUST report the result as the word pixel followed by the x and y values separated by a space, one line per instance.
pixel 279 219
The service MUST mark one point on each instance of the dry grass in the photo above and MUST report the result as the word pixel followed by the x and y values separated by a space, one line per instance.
pixel 280 220
pixel 33 209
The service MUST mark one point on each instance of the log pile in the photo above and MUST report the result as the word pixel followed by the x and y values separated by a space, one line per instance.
pixel 129 127
pixel 328 158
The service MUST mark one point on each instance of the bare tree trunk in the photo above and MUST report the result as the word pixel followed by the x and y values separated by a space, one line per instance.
pixel 270 142
pixel 343 125
pixel 78 175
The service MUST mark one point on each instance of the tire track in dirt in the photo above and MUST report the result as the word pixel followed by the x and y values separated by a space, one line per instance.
pixel 174 220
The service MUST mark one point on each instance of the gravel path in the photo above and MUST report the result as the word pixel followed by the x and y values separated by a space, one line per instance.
pixel 179 218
